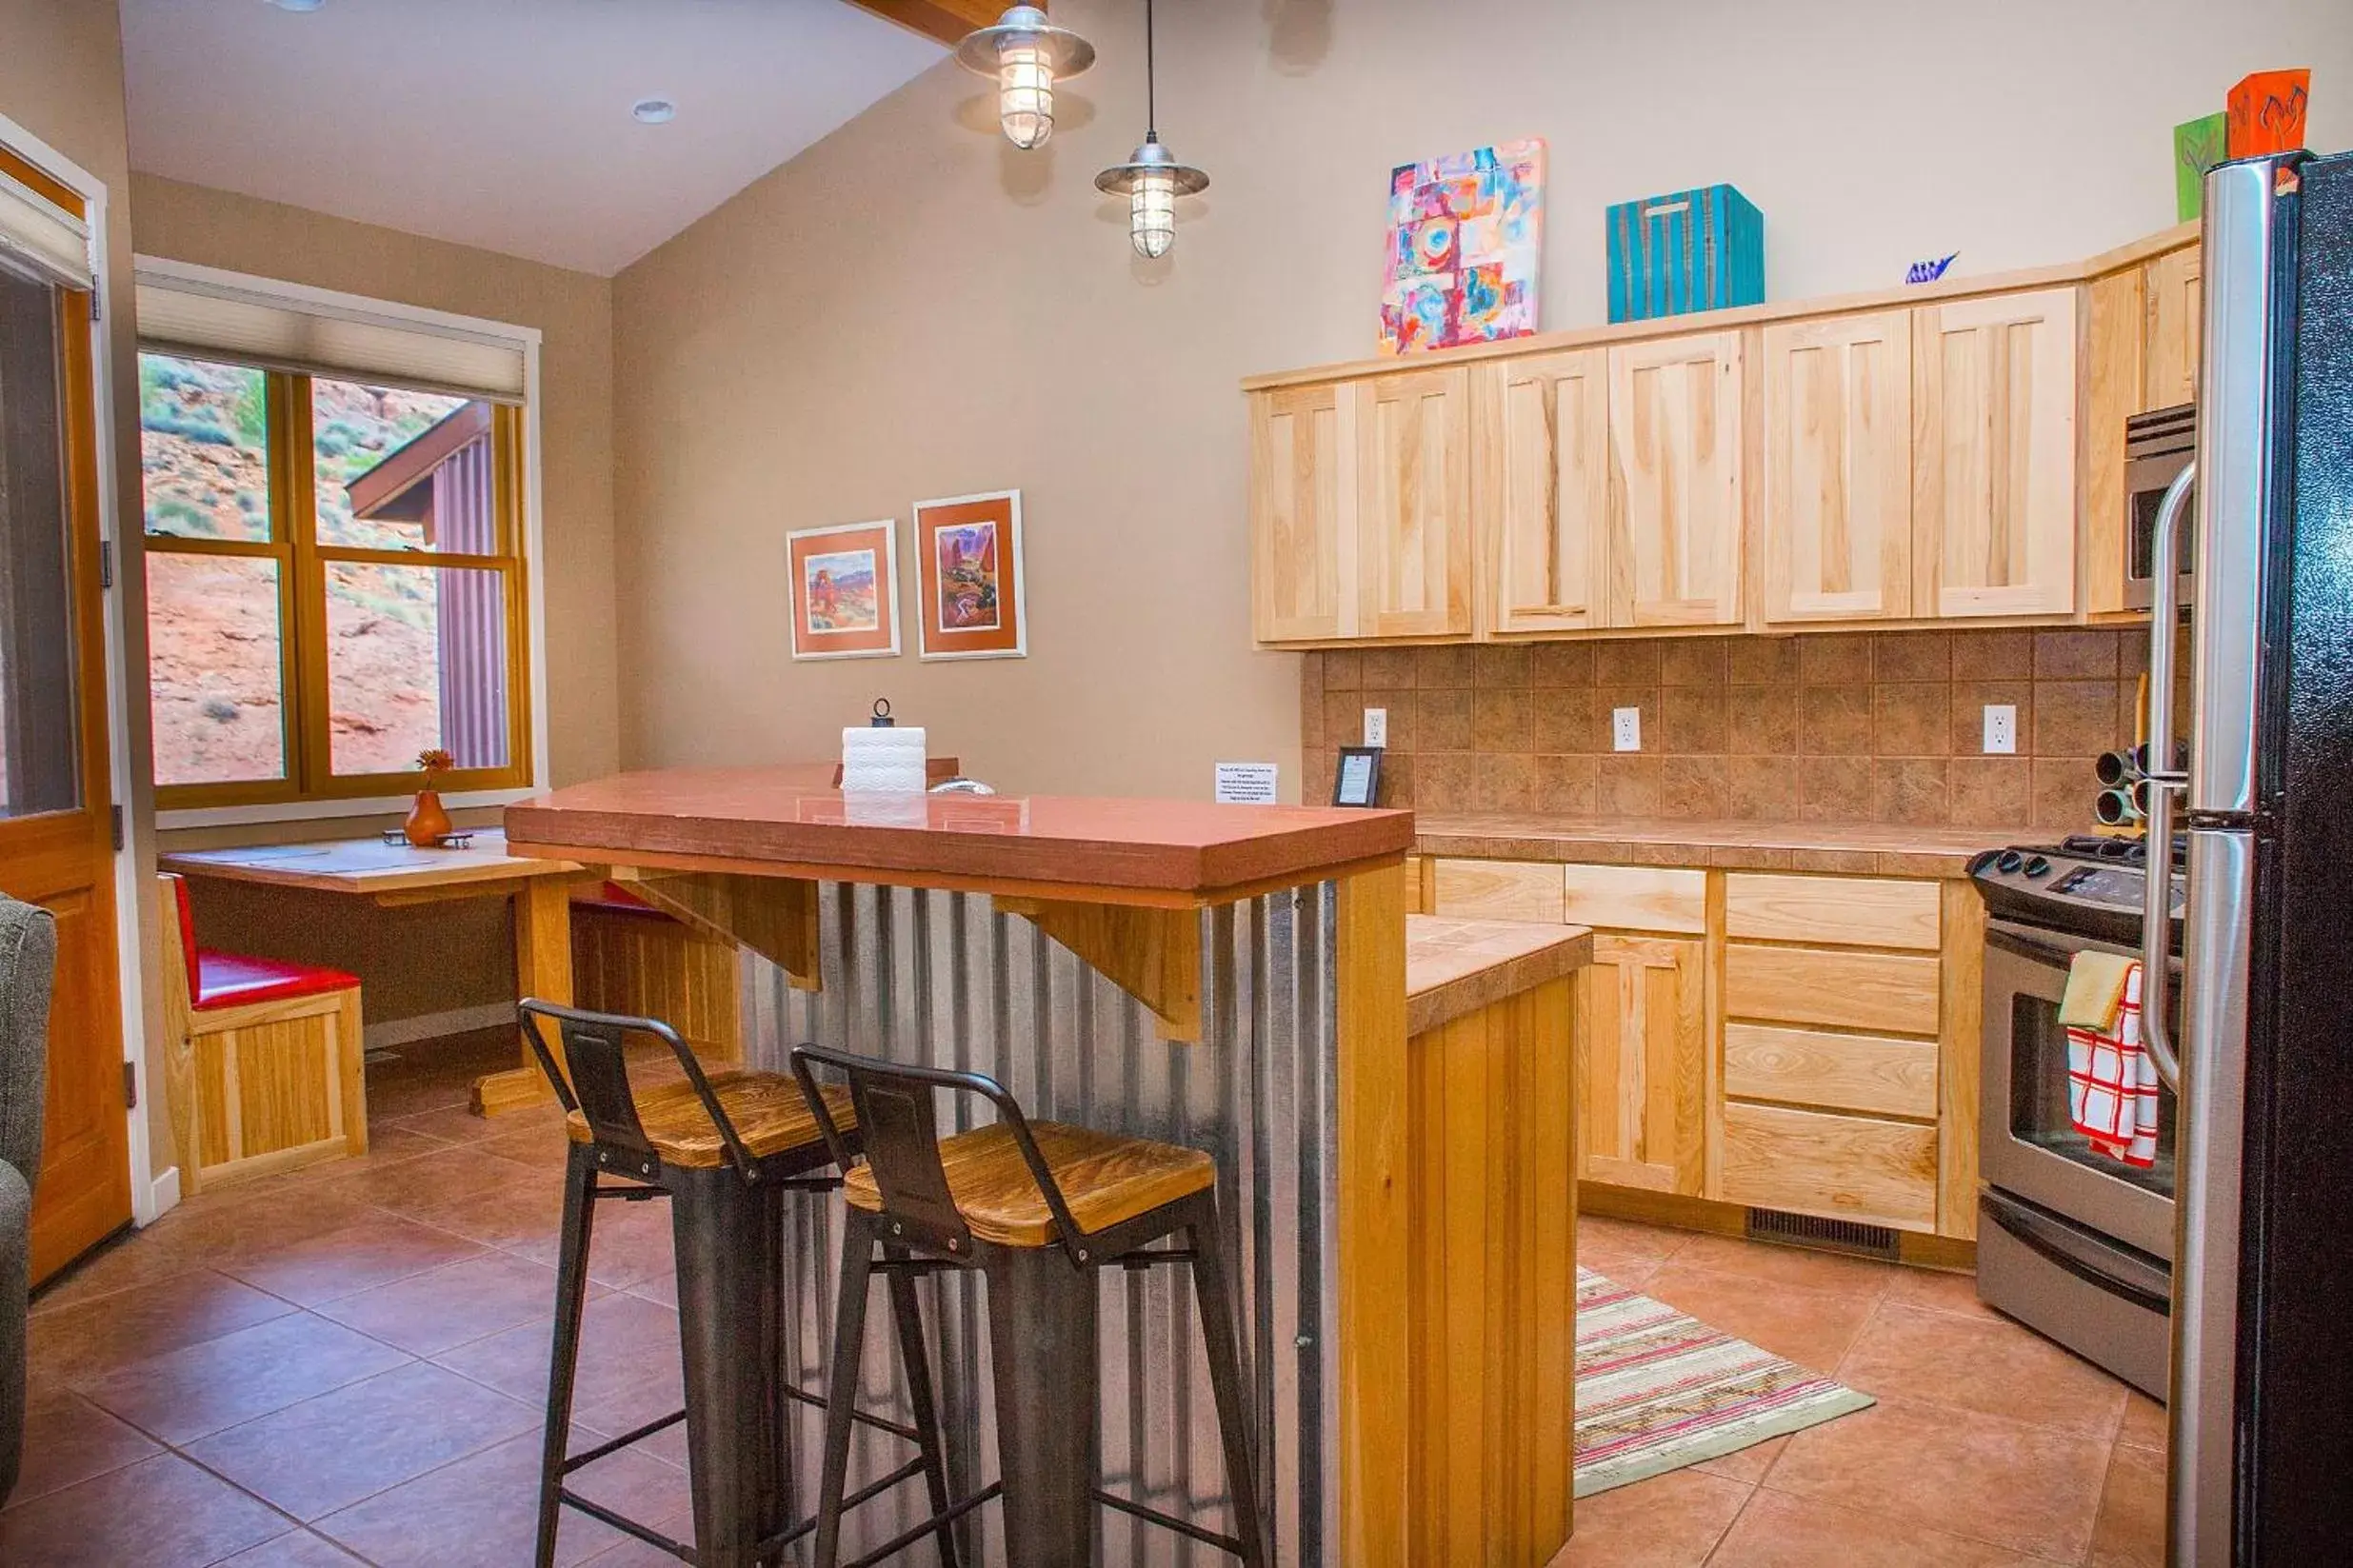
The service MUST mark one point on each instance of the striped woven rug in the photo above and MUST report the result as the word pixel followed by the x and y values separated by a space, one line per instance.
pixel 1657 1389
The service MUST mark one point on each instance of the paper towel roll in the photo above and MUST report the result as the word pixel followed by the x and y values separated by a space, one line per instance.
pixel 890 760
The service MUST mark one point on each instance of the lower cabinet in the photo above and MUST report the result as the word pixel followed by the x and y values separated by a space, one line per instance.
pixel 1783 1041
pixel 1642 1063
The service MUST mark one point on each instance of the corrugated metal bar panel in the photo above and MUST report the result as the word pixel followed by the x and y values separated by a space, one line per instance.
pixel 942 978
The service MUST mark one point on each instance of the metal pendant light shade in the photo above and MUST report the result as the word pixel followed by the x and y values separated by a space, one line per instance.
pixel 1027 55
pixel 1151 179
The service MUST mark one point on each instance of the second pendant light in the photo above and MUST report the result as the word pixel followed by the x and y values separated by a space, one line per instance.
pixel 1151 179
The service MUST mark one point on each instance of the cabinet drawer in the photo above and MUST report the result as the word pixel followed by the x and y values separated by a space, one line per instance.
pixel 1842 1072
pixel 1498 890
pixel 1841 987
pixel 1867 911
pixel 1636 898
pixel 1849 1168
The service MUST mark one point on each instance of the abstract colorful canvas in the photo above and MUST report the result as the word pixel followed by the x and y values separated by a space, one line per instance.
pixel 2267 113
pixel 844 591
pixel 1464 248
pixel 968 577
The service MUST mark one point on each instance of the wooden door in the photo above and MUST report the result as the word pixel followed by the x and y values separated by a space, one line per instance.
pixel 1303 524
pixel 1993 456
pixel 2174 292
pixel 1541 433
pixel 56 827
pixel 1674 551
pixel 1642 1063
pixel 1837 468
pixel 1413 526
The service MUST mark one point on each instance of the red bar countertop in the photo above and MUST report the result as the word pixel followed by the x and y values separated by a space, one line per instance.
pixel 769 821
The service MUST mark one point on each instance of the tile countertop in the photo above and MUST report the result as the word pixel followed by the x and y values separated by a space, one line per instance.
pixel 1454 967
pixel 1860 848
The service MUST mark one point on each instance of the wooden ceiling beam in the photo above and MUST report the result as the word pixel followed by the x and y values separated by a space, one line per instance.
pixel 944 21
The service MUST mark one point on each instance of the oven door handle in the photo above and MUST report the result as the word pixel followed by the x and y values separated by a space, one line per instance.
pixel 2165 780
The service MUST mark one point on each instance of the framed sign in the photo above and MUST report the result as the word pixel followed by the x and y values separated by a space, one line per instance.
pixel 1357 781
pixel 845 590
pixel 968 577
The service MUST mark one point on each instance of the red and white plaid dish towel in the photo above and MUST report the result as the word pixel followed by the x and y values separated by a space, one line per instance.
pixel 2112 1083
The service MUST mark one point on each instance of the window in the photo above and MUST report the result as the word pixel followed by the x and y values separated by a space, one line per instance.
pixel 335 582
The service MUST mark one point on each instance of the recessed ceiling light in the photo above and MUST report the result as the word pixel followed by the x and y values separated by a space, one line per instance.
pixel 298 5
pixel 648 111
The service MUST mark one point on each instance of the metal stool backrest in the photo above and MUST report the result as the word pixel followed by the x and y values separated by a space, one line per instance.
pixel 599 1085
pixel 899 1132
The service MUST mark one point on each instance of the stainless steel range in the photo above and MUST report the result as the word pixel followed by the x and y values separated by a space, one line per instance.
pixel 2069 1242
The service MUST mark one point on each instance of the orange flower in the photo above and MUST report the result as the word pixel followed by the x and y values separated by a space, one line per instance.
pixel 434 761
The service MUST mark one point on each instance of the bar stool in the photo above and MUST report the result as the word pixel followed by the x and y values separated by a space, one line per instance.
pixel 1038 1209
pixel 724 1150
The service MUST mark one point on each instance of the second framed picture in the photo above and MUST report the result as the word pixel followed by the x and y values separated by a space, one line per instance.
pixel 968 577
pixel 846 591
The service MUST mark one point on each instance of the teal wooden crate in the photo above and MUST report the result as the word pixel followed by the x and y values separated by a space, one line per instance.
pixel 1692 251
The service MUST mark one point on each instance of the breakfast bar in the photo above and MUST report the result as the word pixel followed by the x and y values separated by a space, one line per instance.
pixel 1389 1120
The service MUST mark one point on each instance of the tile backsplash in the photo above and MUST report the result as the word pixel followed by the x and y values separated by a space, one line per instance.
pixel 1874 727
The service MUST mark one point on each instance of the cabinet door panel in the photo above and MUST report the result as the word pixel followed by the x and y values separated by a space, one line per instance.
pixel 1674 551
pixel 1848 1167
pixel 1543 452
pixel 1837 468
pixel 2175 296
pixel 1302 514
pixel 1993 456
pixel 1413 538
pixel 1641 1061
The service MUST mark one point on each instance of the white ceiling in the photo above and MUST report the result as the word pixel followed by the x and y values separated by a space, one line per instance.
pixel 501 122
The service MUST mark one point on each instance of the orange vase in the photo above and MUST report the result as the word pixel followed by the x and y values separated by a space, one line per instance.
pixel 428 824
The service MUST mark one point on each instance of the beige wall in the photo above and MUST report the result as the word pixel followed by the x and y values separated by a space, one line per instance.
pixel 911 308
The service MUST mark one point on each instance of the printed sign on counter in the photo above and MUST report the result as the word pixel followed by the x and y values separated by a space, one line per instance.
pixel 1246 783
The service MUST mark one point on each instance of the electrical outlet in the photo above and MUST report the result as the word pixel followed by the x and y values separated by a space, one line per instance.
pixel 2001 730
pixel 1377 727
pixel 1626 728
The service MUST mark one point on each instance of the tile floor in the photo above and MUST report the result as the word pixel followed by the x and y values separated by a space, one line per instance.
pixel 346 1365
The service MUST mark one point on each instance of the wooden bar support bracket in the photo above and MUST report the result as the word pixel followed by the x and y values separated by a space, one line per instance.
pixel 1153 955
pixel 775 917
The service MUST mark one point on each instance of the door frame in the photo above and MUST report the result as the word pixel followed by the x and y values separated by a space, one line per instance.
pixel 149 1196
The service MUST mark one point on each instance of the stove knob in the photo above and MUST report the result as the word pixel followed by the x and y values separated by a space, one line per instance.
pixel 2011 859
pixel 2038 867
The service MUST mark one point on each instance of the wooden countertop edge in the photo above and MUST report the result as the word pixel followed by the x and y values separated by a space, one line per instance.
pixel 953 882
pixel 365 883
pixel 1734 846
pixel 1441 1004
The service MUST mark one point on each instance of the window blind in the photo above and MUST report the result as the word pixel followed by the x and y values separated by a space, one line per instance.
pixel 37 232
pixel 213 321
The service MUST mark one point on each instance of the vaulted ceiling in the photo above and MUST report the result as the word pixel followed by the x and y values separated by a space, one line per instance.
pixel 509 125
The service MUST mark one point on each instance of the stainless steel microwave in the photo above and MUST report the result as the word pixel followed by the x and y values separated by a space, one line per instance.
pixel 2158 446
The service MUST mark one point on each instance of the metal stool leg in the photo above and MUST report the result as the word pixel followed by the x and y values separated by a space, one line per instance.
pixel 1045 1360
pixel 915 1355
pixel 1219 1338
pixel 730 1239
pixel 842 1382
pixel 571 1295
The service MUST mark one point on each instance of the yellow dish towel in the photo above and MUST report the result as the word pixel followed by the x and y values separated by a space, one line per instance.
pixel 2095 990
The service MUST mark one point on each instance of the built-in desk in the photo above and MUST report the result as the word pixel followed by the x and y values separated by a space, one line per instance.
pixel 1232 978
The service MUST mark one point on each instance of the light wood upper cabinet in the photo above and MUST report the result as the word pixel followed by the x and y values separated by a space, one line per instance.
pixel 1837 468
pixel 1303 523
pixel 1413 536
pixel 2174 290
pixel 1540 435
pixel 1674 548
pixel 1993 456
pixel 1642 1063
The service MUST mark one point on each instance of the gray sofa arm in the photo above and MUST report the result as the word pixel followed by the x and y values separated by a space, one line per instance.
pixel 15 1259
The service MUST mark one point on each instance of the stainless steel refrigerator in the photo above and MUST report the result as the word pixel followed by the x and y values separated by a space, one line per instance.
pixel 2262 1386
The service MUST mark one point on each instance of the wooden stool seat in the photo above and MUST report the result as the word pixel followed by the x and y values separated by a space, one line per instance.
pixel 770 1114
pixel 1106 1179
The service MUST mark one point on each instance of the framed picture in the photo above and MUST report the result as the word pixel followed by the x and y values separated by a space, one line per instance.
pixel 968 577
pixel 1357 781
pixel 845 590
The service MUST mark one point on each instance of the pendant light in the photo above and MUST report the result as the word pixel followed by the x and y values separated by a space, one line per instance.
pixel 1026 55
pixel 1151 179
